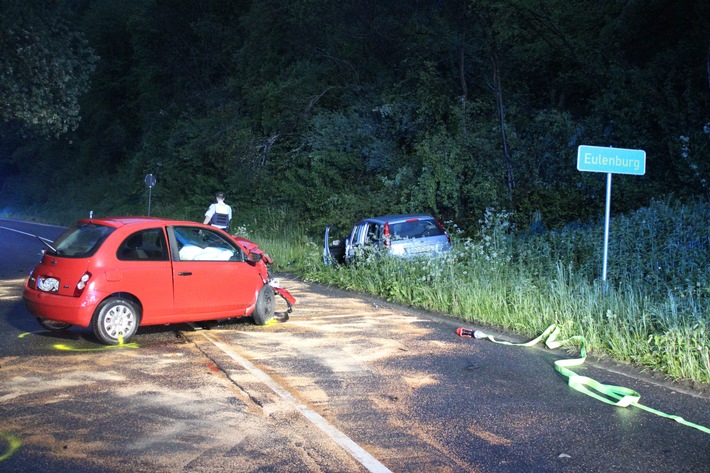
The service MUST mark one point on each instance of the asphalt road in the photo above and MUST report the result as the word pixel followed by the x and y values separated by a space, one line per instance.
pixel 349 383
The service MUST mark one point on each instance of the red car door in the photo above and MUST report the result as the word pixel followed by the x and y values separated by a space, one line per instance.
pixel 144 270
pixel 211 278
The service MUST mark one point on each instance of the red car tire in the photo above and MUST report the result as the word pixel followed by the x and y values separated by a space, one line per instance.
pixel 116 321
pixel 265 306
pixel 53 325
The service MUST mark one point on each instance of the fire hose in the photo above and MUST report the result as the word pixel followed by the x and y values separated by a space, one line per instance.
pixel 615 395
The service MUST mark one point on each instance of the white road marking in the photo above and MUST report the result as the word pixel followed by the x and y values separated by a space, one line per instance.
pixel 24 233
pixel 355 450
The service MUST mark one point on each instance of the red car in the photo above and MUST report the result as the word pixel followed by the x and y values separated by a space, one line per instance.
pixel 116 274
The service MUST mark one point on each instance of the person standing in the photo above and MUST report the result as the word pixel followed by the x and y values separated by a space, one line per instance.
pixel 219 214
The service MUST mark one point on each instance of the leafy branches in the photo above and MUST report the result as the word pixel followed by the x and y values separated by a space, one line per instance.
pixel 45 67
pixel 339 109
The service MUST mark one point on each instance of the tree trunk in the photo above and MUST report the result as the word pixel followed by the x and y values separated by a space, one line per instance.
pixel 498 91
pixel 462 70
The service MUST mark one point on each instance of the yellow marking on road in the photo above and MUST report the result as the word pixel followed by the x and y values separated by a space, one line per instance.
pixel 65 347
pixel 13 443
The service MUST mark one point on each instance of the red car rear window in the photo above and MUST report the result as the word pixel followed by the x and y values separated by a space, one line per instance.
pixel 81 241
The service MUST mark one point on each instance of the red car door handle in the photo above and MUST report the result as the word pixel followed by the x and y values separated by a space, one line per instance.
pixel 186 273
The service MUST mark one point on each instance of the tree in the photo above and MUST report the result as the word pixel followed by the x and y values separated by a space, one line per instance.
pixel 45 67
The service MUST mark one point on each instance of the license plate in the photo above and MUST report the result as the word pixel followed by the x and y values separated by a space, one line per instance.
pixel 419 249
pixel 48 284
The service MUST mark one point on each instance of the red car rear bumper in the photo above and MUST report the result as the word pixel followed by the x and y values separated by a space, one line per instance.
pixel 72 310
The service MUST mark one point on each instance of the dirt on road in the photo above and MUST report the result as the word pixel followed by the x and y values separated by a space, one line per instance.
pixel 160 404
pixel 348 384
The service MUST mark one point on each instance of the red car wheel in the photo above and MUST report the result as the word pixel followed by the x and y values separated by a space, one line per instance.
pixel 116 321
pixel 265 305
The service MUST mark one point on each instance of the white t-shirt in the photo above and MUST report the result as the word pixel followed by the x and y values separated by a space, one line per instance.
pixel 221 208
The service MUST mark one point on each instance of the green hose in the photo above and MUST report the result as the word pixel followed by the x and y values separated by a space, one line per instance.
pixel 614 395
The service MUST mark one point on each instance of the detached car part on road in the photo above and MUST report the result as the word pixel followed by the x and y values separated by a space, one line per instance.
pixel 116 274
pixel 402 235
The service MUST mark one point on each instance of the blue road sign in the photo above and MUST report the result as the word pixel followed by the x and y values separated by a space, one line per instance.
pixel 611 160
pixel 150 180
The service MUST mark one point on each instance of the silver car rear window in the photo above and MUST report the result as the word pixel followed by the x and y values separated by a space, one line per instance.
pixel 415 229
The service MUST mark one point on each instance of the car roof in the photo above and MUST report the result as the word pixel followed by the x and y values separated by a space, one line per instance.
pixel 147 222
pixel 397 218
pixel 117 222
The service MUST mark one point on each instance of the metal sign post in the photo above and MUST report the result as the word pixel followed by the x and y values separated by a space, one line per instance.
pixel 610 160
pixel 150 183
pixel 606 224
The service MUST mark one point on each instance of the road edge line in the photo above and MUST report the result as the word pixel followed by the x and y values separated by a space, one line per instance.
pixel 345 442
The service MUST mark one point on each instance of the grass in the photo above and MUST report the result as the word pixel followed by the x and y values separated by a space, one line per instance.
pixel 651 312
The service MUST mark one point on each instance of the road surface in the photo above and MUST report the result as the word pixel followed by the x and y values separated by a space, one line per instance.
pixel 350 383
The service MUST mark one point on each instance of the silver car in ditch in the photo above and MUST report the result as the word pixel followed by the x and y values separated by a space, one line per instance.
pixel 402 235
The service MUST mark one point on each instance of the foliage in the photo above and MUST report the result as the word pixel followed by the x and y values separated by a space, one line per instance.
pixel 45 67
pixel 336 111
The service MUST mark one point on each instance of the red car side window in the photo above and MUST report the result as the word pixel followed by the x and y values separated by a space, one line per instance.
pixel 145 245
pixel 198 244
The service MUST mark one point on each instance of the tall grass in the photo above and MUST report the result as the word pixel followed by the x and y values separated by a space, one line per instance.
pixel 652 311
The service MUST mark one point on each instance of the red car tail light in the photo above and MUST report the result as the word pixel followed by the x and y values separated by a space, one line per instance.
pixel 32 281
pixel 81 285
pixel 438 223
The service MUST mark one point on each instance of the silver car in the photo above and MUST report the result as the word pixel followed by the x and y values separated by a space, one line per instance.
pixel 404 235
